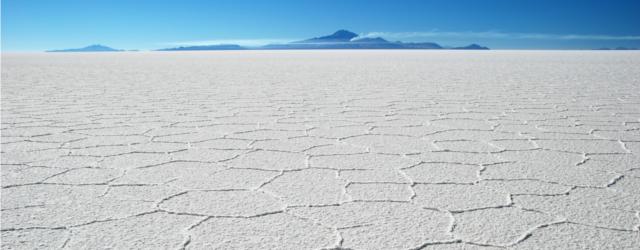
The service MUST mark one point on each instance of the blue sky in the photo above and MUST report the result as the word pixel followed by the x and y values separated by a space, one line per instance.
pixel 36 25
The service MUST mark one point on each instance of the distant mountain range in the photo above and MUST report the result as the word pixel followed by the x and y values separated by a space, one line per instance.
pixel 341 39
pixel 90 48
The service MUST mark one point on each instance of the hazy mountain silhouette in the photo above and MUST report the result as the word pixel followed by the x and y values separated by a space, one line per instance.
pixel 472 47
pixel 337 41
pixel 344 39
pixel 340 36
pixel 90 48
pixel 341 39
pixel 207 47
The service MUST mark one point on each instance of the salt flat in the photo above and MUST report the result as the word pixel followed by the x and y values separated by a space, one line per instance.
pixel 321 149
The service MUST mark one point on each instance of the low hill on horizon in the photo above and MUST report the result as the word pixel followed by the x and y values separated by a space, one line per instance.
pixel 340 36
pixel 90 48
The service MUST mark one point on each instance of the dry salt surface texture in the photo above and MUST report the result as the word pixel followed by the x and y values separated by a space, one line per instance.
pixel 321 150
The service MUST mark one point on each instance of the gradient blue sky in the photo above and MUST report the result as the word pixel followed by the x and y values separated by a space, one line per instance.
pixel 36 25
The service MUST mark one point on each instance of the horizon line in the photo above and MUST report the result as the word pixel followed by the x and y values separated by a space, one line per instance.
pixel 399 36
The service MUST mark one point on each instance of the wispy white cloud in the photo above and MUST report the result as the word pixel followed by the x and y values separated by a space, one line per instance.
pixel 493 35
pixel 243 42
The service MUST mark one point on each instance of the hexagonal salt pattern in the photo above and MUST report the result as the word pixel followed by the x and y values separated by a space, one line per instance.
pixel 321 150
